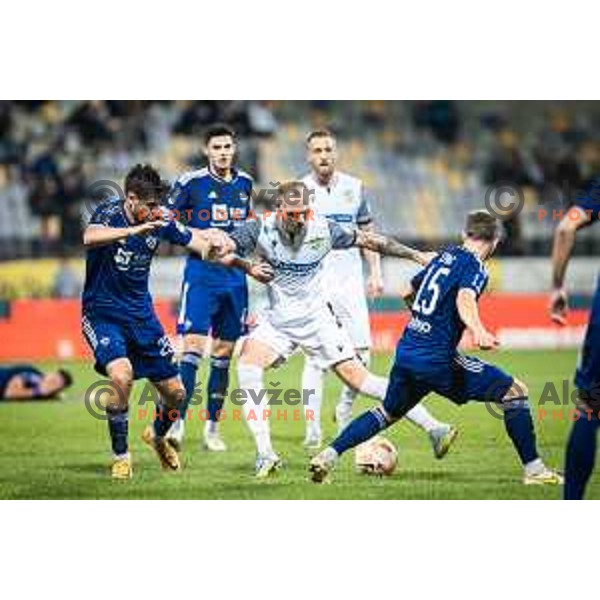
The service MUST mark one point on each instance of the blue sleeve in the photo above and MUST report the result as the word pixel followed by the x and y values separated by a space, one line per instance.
pixel 179 196
pixel 175 233
pixel 102 216
pixel 589 201
pixel 341 237
pixel 473 277
pixel 246 237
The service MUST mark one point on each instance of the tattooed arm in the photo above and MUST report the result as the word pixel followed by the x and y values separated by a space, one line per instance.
pixel 390 247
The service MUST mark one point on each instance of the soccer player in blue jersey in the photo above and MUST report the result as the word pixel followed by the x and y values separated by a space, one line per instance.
pixel 581 447
pixel 118 318
pixel 445 303
pixel 26 382
pixel 214 299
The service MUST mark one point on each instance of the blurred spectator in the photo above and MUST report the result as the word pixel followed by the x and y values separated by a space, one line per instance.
pixel 67 283
pixel 507 164
pixel 439 116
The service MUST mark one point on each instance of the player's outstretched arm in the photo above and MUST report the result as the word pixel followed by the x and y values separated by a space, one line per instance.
pixel 259 270
pixel 101 235
pixel 466 303
pixel 210 244
pixel 390 247
pixel 564 240
pixel 375 277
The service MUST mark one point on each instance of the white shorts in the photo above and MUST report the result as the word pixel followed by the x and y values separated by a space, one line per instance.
pixel 320 336
pixel 350 307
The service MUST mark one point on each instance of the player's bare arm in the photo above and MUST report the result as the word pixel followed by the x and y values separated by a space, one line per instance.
pixel 389 247
pixel 101 235
pixel 259 270
pixel 466 303
pixel 375 277
pixel 564 240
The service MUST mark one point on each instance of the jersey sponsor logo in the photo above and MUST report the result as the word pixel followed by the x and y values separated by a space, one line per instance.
pixel 220 215
pixel 340 218
pixel 420 326
pixel 316 243
pixel 123 259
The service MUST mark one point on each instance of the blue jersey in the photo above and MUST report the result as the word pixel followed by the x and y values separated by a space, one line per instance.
pixel 587 376
pixel 435 330
pixel 590 200
pixel 117 274
pixel 203 200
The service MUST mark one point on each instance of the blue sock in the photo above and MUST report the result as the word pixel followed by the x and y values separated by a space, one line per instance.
pixel 218 382
pixel 581 454
pixel 118 428
pixel 188 369
pixel 361 429
pixel 165 417
pixel 519 426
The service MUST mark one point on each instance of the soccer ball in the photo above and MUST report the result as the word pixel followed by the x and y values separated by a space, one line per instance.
pixel 376 457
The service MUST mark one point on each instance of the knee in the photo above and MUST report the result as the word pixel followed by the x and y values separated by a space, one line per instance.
pixel 222 349
pixel 194 343
pixel 122 376
pixel 175 397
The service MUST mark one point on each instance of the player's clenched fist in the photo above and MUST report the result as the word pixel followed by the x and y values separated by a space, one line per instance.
pixel 559 305
pixel 261 271
pixel 485 340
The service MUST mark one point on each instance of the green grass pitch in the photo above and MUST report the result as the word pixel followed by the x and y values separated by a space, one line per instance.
pixel 56 450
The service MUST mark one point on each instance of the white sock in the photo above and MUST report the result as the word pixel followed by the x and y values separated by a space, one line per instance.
pixel 534 467
pixel 250 378
pixel 312 387
pixel 343 410
pixel 211 427
pixel 422 418
pixel 374 386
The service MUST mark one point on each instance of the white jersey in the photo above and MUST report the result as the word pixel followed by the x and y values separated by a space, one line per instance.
pixel 297 288
pixel 344 202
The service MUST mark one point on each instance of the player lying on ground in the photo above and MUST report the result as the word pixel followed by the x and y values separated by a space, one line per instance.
pixel 342 198
pixel 214 299
pixel 119 322
pixel 25 382
pixel 294 242
pixel 447 291
pixel 581 447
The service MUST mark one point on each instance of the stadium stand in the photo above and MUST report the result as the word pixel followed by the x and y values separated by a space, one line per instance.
pixel 426 162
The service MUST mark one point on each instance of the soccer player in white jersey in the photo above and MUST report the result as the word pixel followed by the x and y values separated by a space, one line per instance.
pixel 342 198
pixel 294 241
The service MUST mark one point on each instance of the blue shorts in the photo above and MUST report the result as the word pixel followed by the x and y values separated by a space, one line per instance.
pixel 144 343
pixel 30 375
pixel 587 376
pixel 221 312
pixel 464 378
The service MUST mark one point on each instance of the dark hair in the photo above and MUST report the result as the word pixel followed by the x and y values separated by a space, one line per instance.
pixel 481 225
pixel 319 133
pixel 145 182
pixel 67 377
pixel 218 130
